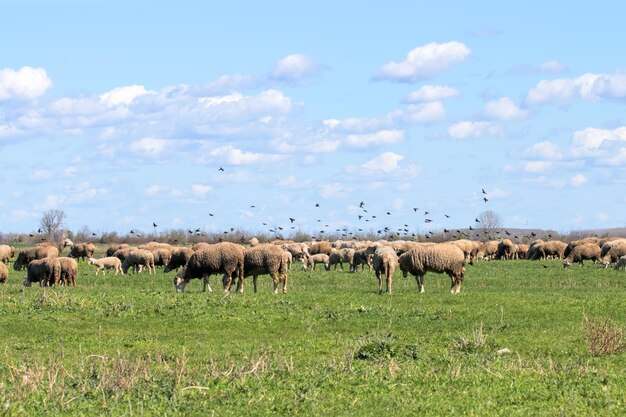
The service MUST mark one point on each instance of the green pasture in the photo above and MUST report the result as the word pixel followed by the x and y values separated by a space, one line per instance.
pixel 130 345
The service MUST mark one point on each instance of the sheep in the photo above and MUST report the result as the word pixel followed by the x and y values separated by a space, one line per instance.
pixel 4 273
pixel 46 271
pixel 151 246
pixel 162 256
pixel 200 245
pixel 621 263
pixel 123 253
pixel 581 252
pixel 441 258
pixel 82 250
pixel 223 257
pixel 487 250
pixel 318 258
pixel 297 250
pixel 385 262
pixel 361 257
pixel 138 258
pixel 612 251
pixel 522 250
pixel 575 243
pixel 179 258
pixel 320 247
pixel 335 259
pixel 6 253
pixel 254 242
pixel 38 252
pixel 551 249
pixel 467 246
pixel 109 262
pixel 266 259
pixel 114 248
pixel 531 249
pixel 506 249
pixel 69 271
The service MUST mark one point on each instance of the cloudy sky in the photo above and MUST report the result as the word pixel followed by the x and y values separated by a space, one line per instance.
pixel 121 114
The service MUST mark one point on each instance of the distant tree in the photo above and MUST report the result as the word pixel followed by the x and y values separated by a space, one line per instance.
pixel 51 222
pixel 490 221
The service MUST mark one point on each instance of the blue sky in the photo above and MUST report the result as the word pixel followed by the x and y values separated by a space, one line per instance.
pixel 122 113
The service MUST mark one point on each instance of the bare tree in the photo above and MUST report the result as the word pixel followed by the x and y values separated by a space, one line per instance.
pixel 490 221
pixel 51 222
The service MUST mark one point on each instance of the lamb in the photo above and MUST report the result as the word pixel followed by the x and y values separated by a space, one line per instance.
pixel 69 271
pixel 223 257
pixel 581 252
pixel 621 263
pixel 82 250
pixel 139 258
pixel 46 271
pixel 114 248
pixel 38 252
pixel 441 258
pixel 4 273
pixel 385 262
pixel 266 259
pixel 109 262
pixel 318 258
pixel 179 258
pixel 6 253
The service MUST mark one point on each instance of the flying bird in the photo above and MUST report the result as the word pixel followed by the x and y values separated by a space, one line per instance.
pixel 221 169
pixel 484 192
pixel 291 219
pixel 426 213
pixel 211 214
pixel 317 204
pixel 485 198
pixel 471 228
pixel 361 204
pixel 154 224
pixel 415 209
pixel 388 214
pixel 39 231
pixel 477 221
pixel 447 216
pixel 360 217
pixel 252 206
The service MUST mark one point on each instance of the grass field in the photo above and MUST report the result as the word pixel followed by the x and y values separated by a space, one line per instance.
pixel 130 345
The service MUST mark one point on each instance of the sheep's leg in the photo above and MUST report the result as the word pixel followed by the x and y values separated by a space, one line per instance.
pixel 254 280
pixel 207 284
pixel 228 279
pixel 389 281
pixel 284 278
pixel 379 275
pixel 240 285
pixel 275 281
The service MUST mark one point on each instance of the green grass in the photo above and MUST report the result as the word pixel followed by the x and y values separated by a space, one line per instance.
pixel 332 346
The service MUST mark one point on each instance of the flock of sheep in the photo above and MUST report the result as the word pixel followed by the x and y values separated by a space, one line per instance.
pixel 44 264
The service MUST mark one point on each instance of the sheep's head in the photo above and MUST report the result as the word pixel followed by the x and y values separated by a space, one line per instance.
pixel 26 282
pixel 567 263
pixel 91 261
pixel 179 283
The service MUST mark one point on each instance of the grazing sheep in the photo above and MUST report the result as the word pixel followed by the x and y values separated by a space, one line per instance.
pixel 82 250
pixel 30 254
pixel 46 272
pixel 162 256
pixel 506 250
pixel 69 271
pixel 441 258
pixel 531 249
pixel 575 243
pixel 109 262
pixel 123 253
pixel 361 257
pixel 612 251
pixel 114 248
pixel 621 263
pixel 579 253
pixel 553 249
pixel 4 273
pixel 179 258
pixel 385 262
pixel 223 257
pixel 522 250
pixel 318 258
pixel 139 258
pixel 487 250
pixel 320 247
pixel 335 259
pixel 266 259
pixel 6 253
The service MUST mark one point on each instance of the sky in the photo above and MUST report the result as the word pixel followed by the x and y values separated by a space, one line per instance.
pixel 121 114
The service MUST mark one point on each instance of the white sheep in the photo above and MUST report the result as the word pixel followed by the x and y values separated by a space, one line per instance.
pixel 110 262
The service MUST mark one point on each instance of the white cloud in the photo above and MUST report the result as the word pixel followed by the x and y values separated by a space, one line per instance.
pixel 150 146
pixel 504 109
pixel 387 163
pixel 41 175
pixel 332 190
pixel 155 190
pixel 578 180
pixel 537 166
pixel 201 190
pixel 383 137
pixel 474 130
pixel 123 95
pixel 424 62
pixel 293 182
pixel 552 66
pixel 425 113
pixel 431 93
pixel 234 156
pixel 545 150
pixel 295 68
pixel 27 83
pixel 588 87
pixel 592 138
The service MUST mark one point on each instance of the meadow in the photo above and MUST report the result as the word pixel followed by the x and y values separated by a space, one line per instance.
pixel 130 345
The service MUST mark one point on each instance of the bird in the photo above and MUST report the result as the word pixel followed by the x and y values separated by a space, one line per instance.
pixel 39 231
pixel 484 192
pixel 280 228
pixel 485 198
pixel 415 209
pixel 477 221
pixel 507 233
pixel 93 234
pixel 544 266
pixel 252 206
pixel 31 235
pixel 426 213
pixel 361 204
pixel 317 204
pixel 360 217
pixel 211 214
pixel 388 214
pixel 471 228
pixel 447 216
pixel 446 231
pixel 132 232
pixel 427 220
pixel 291 219
pixel 221 169
pixel 190 231
pixel 154 224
